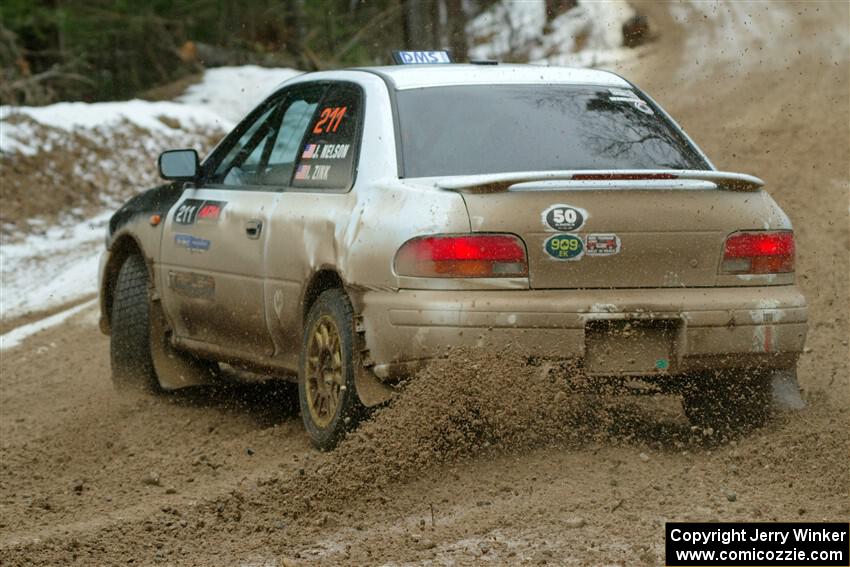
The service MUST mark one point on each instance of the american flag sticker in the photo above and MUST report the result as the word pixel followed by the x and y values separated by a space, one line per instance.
pixel 309 151
pixel 302 172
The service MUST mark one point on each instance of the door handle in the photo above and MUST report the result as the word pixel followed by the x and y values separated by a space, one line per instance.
pixel 253 228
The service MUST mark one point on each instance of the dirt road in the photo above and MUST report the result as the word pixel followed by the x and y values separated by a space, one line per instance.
pixel 476 461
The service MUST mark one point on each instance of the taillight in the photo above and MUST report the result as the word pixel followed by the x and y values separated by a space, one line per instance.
pixel 758 252
pixel 462 256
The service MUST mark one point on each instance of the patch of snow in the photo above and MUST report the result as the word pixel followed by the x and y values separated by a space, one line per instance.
pixel 588 35
pixel 51 269
pixel 16 336
pixel 506 28
pixel 599 24
pixel 43 271
pixel 218 102
pixel 145 114
pixel 156 117
pixel 231 92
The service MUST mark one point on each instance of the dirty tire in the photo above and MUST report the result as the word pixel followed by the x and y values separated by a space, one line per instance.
pixel 129 346
pixel 729 401
pixel 326 389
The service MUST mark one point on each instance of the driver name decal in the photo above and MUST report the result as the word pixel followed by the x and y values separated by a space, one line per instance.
pixel 325 151
pixel 312 172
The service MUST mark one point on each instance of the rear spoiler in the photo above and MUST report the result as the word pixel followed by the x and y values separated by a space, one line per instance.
pixel 600 179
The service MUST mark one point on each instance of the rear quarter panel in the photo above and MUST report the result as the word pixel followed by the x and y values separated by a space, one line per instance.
pixel 355 233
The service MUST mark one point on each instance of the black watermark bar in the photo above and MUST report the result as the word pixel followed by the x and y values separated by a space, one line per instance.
pixel 765 544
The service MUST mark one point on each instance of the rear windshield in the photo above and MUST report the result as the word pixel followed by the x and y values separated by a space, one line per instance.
pixel 473 129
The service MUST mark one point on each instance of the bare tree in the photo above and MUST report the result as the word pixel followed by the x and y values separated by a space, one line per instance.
pixel 295 29
pixel 457 20
pixel 18 85
pixel 418 22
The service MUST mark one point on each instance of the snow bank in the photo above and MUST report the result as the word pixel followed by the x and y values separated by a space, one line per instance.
pixel 231 92
pixel 157 117
pixel 16 336
pixel 47 270
pixel 217 103
pixel 586 36
pixel 100 154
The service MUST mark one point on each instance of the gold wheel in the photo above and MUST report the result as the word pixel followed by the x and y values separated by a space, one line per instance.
pixel 324 377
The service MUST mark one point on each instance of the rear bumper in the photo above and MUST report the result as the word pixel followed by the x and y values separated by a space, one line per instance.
pixel 716 327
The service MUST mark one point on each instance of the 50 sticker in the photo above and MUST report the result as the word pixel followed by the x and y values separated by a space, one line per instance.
pixel 564 218
pixel 565 247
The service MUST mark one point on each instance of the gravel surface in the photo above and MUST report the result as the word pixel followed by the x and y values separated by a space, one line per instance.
pixel 481 458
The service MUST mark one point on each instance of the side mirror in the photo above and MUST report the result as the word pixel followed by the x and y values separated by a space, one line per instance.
pixel 178 165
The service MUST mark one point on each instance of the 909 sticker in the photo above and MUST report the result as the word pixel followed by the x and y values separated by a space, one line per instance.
pixel 564 247
pixel 564 218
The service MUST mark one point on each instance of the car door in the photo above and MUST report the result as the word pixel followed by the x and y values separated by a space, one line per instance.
pixel 216 234
pixel 310 220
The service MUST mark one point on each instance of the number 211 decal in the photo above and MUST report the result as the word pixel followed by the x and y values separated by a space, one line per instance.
pixel 329 119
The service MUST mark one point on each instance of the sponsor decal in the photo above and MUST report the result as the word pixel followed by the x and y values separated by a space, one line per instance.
pixel 602 244
pixel 564 247
pixel 210 211
pixel 564 218
pixel 302 172
pixel 421 57
pixel 624 95
pixel 192 285
pixel 192 243
pixel 194 210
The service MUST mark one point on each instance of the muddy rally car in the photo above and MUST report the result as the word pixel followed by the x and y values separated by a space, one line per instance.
pixel 359 222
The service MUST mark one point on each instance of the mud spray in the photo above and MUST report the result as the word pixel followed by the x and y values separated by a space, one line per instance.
pixel 467 405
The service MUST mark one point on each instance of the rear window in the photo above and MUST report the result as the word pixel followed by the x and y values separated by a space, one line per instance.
pixel 474 129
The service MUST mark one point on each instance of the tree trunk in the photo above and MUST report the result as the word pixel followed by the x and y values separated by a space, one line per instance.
pixel 418 23
pixel 457 29
pixel 295 31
